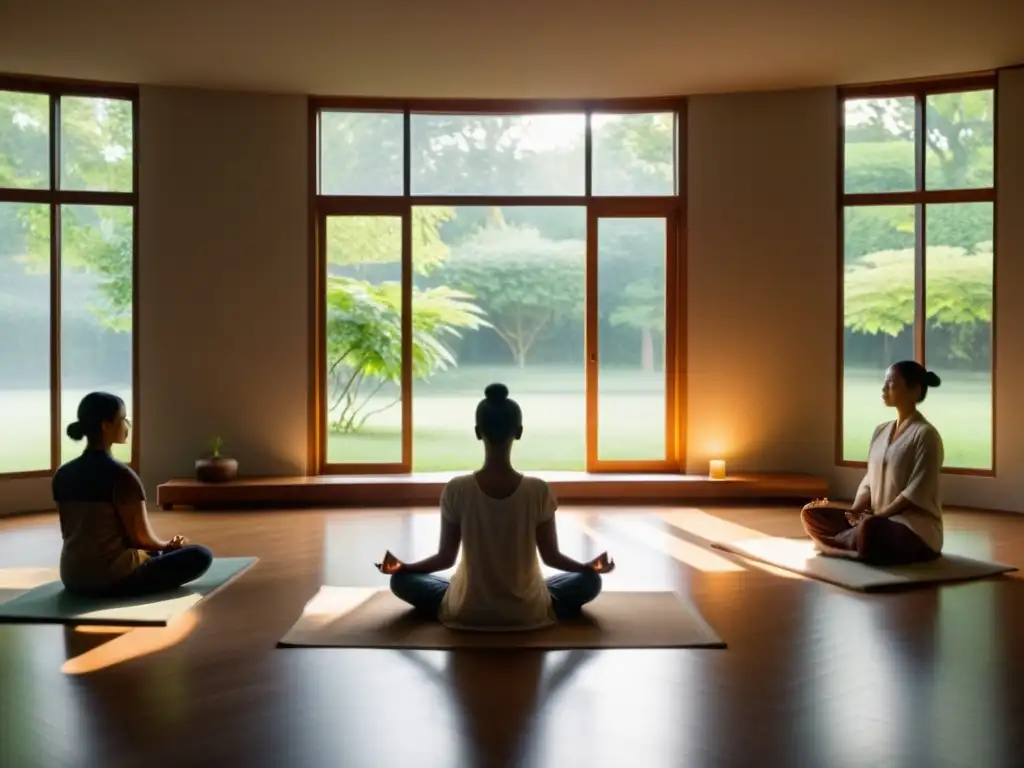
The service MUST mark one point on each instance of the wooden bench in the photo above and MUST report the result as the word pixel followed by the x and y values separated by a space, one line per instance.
pixel 425 490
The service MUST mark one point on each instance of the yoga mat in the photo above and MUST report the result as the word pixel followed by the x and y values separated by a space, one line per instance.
pixel 799 556
pixel 50 604
pixel 354 617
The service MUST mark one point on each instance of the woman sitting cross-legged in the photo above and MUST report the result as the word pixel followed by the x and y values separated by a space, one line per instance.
pixel 501 519
pixel 109 548
pixel 896 517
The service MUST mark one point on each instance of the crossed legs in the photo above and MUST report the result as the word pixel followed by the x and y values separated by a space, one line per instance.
pixel 569 591
pixel 875 540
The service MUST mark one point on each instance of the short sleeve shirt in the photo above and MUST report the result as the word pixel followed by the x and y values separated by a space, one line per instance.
pixel 498 583
pixel 89 492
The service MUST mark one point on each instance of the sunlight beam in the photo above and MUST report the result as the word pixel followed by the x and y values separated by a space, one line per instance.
pixel 135 644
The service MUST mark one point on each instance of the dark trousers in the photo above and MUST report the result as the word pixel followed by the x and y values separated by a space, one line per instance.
pixel 569 591
pixel 165 571
pixel 876 540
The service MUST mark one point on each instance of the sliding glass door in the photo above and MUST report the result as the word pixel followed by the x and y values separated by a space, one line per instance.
pixel 458 250
pixel 631 339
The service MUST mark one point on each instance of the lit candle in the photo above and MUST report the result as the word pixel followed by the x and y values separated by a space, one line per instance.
pixel 717 469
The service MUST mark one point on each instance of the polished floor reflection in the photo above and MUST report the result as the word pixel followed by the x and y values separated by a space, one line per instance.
pixel 813 675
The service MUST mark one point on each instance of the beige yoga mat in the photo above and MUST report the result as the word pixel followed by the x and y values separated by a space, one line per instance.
pixel 799 556
pixel 354 617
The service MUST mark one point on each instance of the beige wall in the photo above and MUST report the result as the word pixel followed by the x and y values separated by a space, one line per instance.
pixel 761 281
pixel 223 280
pixel 224 306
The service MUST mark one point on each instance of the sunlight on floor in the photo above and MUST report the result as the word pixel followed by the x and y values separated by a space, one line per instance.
pixel 791 553
pixel 716 530
pixel 134 644
pixel 24 579
pixel 708 527
pixel 330 605
pixel 662 541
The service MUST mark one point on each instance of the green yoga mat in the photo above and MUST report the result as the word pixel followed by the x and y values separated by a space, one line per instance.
pixel 50 604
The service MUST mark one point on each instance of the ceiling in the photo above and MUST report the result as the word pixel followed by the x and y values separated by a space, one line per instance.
pixel 519 49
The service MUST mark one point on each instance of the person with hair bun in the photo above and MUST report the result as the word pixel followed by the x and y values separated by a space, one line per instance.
pixel 896 515
pixel 110 549
pixel 501 519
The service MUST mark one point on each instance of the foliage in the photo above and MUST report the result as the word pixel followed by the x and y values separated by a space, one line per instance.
pixel 360 242
pixel 525 281
pixel 364 342
pixel 643 308
pixel 635 154
pixel 216 444
pixel 879 293
pixel 96 141
pixel 364 315
pixel 879 240
pixel 959 140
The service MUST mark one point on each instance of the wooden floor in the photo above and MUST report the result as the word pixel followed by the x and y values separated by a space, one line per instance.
pixel 813 675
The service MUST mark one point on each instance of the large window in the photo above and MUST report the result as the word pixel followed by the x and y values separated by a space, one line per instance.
pixel 67 246
pixel 918 194
pixel 459 248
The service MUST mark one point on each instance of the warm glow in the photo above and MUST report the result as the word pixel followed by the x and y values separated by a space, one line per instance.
pixel 716 469
pixel 131 645
pixel 88 629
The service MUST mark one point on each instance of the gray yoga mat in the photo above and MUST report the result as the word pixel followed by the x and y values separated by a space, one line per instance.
pixel 799 556
pixel 351 617
pixel 50 604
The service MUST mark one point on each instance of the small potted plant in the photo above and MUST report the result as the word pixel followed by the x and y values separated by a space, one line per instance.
pixel 216 468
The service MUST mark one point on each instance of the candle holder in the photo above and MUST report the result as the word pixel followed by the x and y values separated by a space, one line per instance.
pixel 716 469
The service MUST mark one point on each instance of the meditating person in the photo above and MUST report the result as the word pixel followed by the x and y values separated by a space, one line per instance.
pixel 896 516
pixel 502 519
pixel 110 549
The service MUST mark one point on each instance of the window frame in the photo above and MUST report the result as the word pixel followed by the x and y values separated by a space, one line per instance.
pixel 55 198
pixel 920 198
pixel 321 205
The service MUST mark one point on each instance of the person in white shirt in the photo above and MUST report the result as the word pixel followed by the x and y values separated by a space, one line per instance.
pixel 896 516
pixel 501 519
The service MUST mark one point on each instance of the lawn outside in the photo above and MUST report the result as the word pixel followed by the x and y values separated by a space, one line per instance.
pixel 553 401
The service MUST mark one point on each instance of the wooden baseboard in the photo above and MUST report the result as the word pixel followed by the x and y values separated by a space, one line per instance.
pixel 425 490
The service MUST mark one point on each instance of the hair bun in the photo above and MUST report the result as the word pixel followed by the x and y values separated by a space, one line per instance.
pixel 932 379
pixel 75 431
pixel 496 393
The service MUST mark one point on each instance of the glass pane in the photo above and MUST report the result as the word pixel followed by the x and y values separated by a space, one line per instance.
pixel 961 131
pixel 95 311
pixel 498 154
pixel 364 339
pixel 958 333
pixel 95 144
pixel 361 153
pixel 24 337
pixel 499 298
pixel 634 154
pixel 878 312
pixel 878 152
pixel 631 400
pixel 24 140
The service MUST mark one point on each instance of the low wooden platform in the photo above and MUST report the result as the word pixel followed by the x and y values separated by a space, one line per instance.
pixel 425 489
